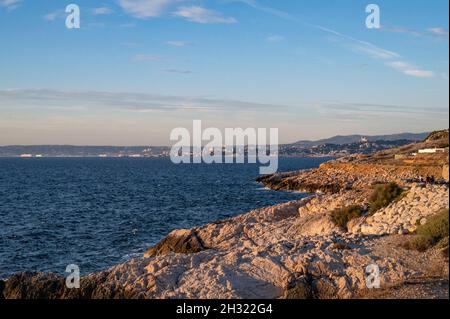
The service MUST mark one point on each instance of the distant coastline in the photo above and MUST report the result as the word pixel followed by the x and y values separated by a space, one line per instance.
pixel 337 146
pixel 293 250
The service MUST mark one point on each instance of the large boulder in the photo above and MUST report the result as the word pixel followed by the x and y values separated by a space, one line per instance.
pixel 181 241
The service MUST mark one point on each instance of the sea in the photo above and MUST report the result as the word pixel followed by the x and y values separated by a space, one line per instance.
pixel 98 212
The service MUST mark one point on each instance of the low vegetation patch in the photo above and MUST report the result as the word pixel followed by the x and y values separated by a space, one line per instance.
pixel 340 246
pixel 434 231
pixel 341 216
pixel 443 246
pixel 383 195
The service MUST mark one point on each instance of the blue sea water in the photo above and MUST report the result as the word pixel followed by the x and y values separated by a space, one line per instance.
pixel 97 212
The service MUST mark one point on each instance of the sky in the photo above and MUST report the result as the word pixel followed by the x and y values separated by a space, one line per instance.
pixel 136 69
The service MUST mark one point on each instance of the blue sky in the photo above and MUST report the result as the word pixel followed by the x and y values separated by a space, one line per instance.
pixel 136 69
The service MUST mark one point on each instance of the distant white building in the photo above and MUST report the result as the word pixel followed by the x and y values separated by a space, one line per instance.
pixel 432 150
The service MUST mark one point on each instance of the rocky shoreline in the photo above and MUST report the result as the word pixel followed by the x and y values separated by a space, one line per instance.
pixel 291 250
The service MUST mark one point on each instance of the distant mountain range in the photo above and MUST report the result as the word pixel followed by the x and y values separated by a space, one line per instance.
pixel 349 139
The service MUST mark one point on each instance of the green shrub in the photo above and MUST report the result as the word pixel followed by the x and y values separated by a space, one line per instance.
pixel 418 243
pixel 436 227
pixel 383 195
pixel 434 231
pixel 343 215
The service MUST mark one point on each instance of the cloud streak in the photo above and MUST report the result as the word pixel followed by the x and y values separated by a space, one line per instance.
pixel 204 16
pixel 379 108
pixel 410 70
pixel 274 38
pixel 52 16
pixel 179 71
pixel 272 11
pixel 137 102
pixel 376 52
pixel 360 111
pixel 439 31
pixel 430 32
pixel 144 9
pixel 394 59
pixel 369 49
pixel 102 11
pixel 10 4
pixel 178 43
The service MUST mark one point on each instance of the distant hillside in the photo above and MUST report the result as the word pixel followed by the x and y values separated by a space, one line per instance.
pixel 437 136
pixel 437 139
pixel 349 139
pixel 337 146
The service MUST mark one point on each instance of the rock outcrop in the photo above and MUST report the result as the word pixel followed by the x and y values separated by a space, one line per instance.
pixel 182 241
pixel 405 215
pixel 291 250
pixel 359 171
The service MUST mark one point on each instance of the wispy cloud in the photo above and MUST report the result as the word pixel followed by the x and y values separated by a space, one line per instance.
pixel 270 10
pixel 411 70
pixel 178 43
pixel 273 38
pixel 127 101
pixel 376 52
pixel 394 59
pixel 371 50
pixel 439 31
pixel 146 57
pixel 201 15
pixel 102 11
pixel 179 71
pixel 92 25
pixel 143 9
pixel 405 30
pixel 9 4
pixel 357 111
pixel 52 16
pixel 434 32
pixel 361 45
pixel 377 107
